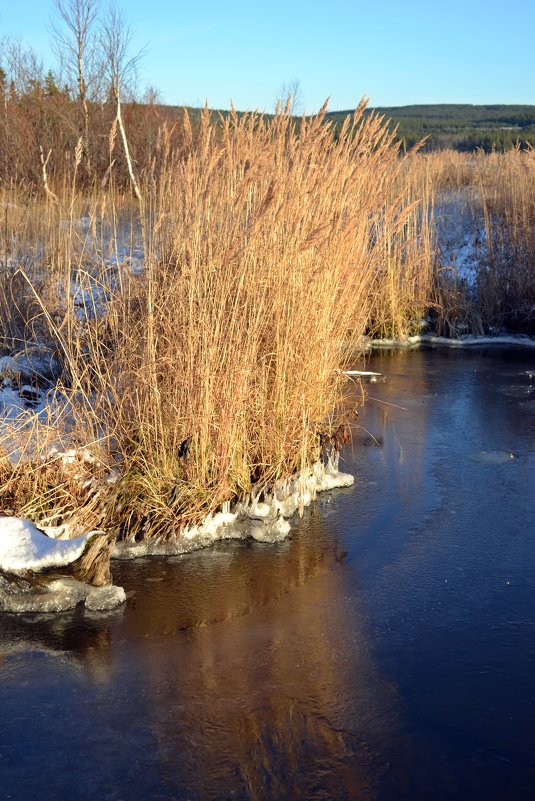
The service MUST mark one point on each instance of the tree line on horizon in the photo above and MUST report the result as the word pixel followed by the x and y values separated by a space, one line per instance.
pixel 460 127
pixel 87 115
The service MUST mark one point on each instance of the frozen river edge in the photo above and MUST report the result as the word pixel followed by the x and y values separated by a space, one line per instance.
pixel 26 550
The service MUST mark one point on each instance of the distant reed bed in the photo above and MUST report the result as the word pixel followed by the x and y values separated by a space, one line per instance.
pixel 495 291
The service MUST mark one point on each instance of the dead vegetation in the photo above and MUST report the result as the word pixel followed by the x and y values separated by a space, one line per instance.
pixel 197 334
pixel 266 243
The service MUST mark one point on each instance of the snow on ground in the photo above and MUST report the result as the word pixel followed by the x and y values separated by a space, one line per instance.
pixel 29 415
pixel 25 547
pixel 20 404
pixel 22 396
pixel 460 232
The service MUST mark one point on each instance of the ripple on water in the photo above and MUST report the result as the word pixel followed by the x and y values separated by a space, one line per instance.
pixel 518 390
pixel 493 457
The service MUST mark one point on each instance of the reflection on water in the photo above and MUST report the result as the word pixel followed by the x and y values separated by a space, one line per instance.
pixel 278 701
pixel 246 669
pixel 385 651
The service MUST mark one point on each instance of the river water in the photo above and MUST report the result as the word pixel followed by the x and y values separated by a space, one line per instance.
pixel 385 651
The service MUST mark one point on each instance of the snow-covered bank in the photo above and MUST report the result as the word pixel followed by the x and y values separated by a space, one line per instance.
pixel 264 521
pixel 465 341
pixel 24 547
pixel 25 551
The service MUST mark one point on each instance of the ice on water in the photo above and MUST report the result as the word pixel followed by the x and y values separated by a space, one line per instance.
pixel 465 341
pixel 264 520
pixel 63 595
pixel 493 457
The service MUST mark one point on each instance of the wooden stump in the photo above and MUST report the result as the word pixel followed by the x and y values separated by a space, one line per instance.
pixel 92 567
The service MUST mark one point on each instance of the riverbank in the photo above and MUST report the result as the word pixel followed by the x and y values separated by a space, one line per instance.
pixel 211 370
pixel 384 649
pixel 166 359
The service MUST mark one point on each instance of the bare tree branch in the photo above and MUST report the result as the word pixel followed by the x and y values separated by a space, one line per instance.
pixel 75 47
pixel 121 68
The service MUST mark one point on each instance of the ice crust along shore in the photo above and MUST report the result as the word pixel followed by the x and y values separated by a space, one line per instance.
pixel 464 341
pixel 62 595
pixel 264 521
pixel 24 547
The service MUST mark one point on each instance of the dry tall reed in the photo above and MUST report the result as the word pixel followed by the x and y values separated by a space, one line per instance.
pixel 405 255
pixel 216 368
pixel 498 189
pixel 270 247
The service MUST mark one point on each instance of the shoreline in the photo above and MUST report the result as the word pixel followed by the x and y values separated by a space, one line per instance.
pixel 464 341
pixel 264 521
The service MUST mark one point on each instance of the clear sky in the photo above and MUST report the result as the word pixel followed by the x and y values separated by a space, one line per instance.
pixel 395 51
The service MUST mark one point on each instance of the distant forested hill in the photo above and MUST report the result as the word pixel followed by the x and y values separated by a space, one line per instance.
pixel 463 127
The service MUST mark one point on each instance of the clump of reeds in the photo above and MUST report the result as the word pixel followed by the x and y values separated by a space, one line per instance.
pixel 270 246
pixel 261 250
pixel 506 279
pixel 405 254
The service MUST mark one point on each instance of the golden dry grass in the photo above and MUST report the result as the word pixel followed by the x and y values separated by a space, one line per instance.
pixel 261 250
pixel 500 188
pixel 270 247
pixel 268 244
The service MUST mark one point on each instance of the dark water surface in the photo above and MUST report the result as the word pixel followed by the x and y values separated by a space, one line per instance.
pixel 385 651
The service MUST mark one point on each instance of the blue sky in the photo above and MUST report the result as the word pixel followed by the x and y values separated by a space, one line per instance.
pixel 397 53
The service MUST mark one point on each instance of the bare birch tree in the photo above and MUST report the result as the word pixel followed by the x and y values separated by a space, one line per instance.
pixel 290 97
pixel 116 37
pixel 74 45
pixel 24 68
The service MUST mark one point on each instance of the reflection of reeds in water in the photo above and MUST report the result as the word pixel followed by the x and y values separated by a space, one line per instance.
pixel 214 586
pixel 282 702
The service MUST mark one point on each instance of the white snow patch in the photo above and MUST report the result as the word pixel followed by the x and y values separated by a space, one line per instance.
pixel 25 547
pixel 459 232
pixel 22 428
pixel 72 455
